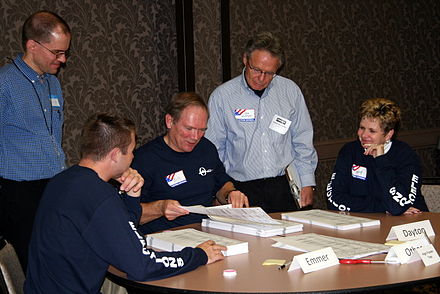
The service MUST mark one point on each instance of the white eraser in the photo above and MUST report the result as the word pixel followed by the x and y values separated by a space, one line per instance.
pixel 229 273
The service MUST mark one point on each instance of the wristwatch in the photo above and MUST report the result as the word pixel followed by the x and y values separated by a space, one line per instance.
pixel 227 195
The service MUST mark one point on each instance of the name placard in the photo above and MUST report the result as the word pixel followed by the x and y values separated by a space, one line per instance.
pixel 406 252
pixel 411 231
pixel 428 254
pixel 314 260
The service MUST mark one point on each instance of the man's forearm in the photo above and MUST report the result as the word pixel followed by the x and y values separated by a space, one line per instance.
pixel 151 211
pixel 223 193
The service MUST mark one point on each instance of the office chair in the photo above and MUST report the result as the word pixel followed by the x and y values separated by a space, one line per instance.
pixel 431 191
pixel 11 273
pixel 109 287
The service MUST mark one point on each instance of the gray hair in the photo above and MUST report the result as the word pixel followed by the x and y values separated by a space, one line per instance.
pixel 266 41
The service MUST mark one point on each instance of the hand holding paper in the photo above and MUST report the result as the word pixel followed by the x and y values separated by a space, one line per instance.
pixel 253 214
pixel 172 209
pixel 238 199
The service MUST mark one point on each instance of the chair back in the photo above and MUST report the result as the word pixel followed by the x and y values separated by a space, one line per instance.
pixel 431 191
pixel 11 273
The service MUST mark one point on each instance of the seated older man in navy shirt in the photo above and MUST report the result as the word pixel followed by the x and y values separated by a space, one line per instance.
pixel 182 168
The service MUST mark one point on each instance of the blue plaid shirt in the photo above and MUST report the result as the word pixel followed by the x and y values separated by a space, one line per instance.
pixel 31 121
pixel 249 147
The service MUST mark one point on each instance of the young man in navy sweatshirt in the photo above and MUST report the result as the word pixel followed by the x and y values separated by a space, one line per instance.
pixel 84 224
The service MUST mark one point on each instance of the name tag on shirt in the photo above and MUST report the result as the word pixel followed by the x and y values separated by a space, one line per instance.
pixel 279 124
pixel 359 172
pixel 243 114
pixel 175 179
pixel 54 101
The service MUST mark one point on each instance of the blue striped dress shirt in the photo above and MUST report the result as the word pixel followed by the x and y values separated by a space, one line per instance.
pixel 250 149
pixel 31 121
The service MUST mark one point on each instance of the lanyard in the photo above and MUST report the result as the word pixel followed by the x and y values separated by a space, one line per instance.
pixel 49 125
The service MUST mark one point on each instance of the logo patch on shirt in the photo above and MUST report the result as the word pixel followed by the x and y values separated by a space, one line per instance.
pixel 359 172
pixel 175 179
pixel 203 171
pixel 243 114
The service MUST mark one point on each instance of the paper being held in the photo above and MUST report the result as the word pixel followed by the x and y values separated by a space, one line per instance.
pixel 253 214
pixel 200 209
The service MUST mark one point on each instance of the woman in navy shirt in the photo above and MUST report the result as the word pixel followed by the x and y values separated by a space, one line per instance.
pixel 377 173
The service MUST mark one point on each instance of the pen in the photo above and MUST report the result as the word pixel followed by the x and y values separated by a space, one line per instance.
pixel 284 265
pixel 357 261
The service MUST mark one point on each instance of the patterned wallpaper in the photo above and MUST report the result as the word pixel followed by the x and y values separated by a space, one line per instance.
pixel 341 52
pixel 207 46
pixel 123 60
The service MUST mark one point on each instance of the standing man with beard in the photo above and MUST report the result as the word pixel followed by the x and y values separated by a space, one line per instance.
pixel 31 121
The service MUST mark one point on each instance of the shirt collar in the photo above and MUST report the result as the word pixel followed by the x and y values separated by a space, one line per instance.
pixel 386 147
pixel 246 86
pixel 26 69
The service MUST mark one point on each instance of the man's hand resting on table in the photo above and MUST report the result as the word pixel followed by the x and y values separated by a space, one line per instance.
pixel 213 251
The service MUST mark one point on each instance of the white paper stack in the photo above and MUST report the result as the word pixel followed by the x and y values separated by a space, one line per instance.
pixel 179 239
pixel 252 228
pixel 343 248
pixel 329 219
pixel 252 221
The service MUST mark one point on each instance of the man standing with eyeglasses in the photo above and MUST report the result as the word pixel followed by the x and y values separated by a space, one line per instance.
pixel 31 121
pixel 260 124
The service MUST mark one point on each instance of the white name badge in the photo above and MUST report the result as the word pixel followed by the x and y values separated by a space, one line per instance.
pixel 176 178
pixel 314 260
pixel 406 252
pixel 279 124
pixel 411 231
pixel 55 102
pixel 428 254
pixel 243 114
pixel 358 172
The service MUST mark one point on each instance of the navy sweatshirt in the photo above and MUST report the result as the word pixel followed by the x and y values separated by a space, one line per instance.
pixel 82 226
pixel 388 183
pixel 192 178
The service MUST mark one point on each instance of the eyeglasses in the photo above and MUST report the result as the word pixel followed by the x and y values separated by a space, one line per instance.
pixel 57 53
pixel 258 71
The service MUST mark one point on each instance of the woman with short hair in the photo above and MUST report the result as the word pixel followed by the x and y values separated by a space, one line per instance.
pixel 377 173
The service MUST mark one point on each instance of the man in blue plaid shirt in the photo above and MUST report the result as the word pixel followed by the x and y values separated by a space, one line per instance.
pixel 31 121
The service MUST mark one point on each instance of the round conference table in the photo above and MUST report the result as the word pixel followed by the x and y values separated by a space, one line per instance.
pixel 253 277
